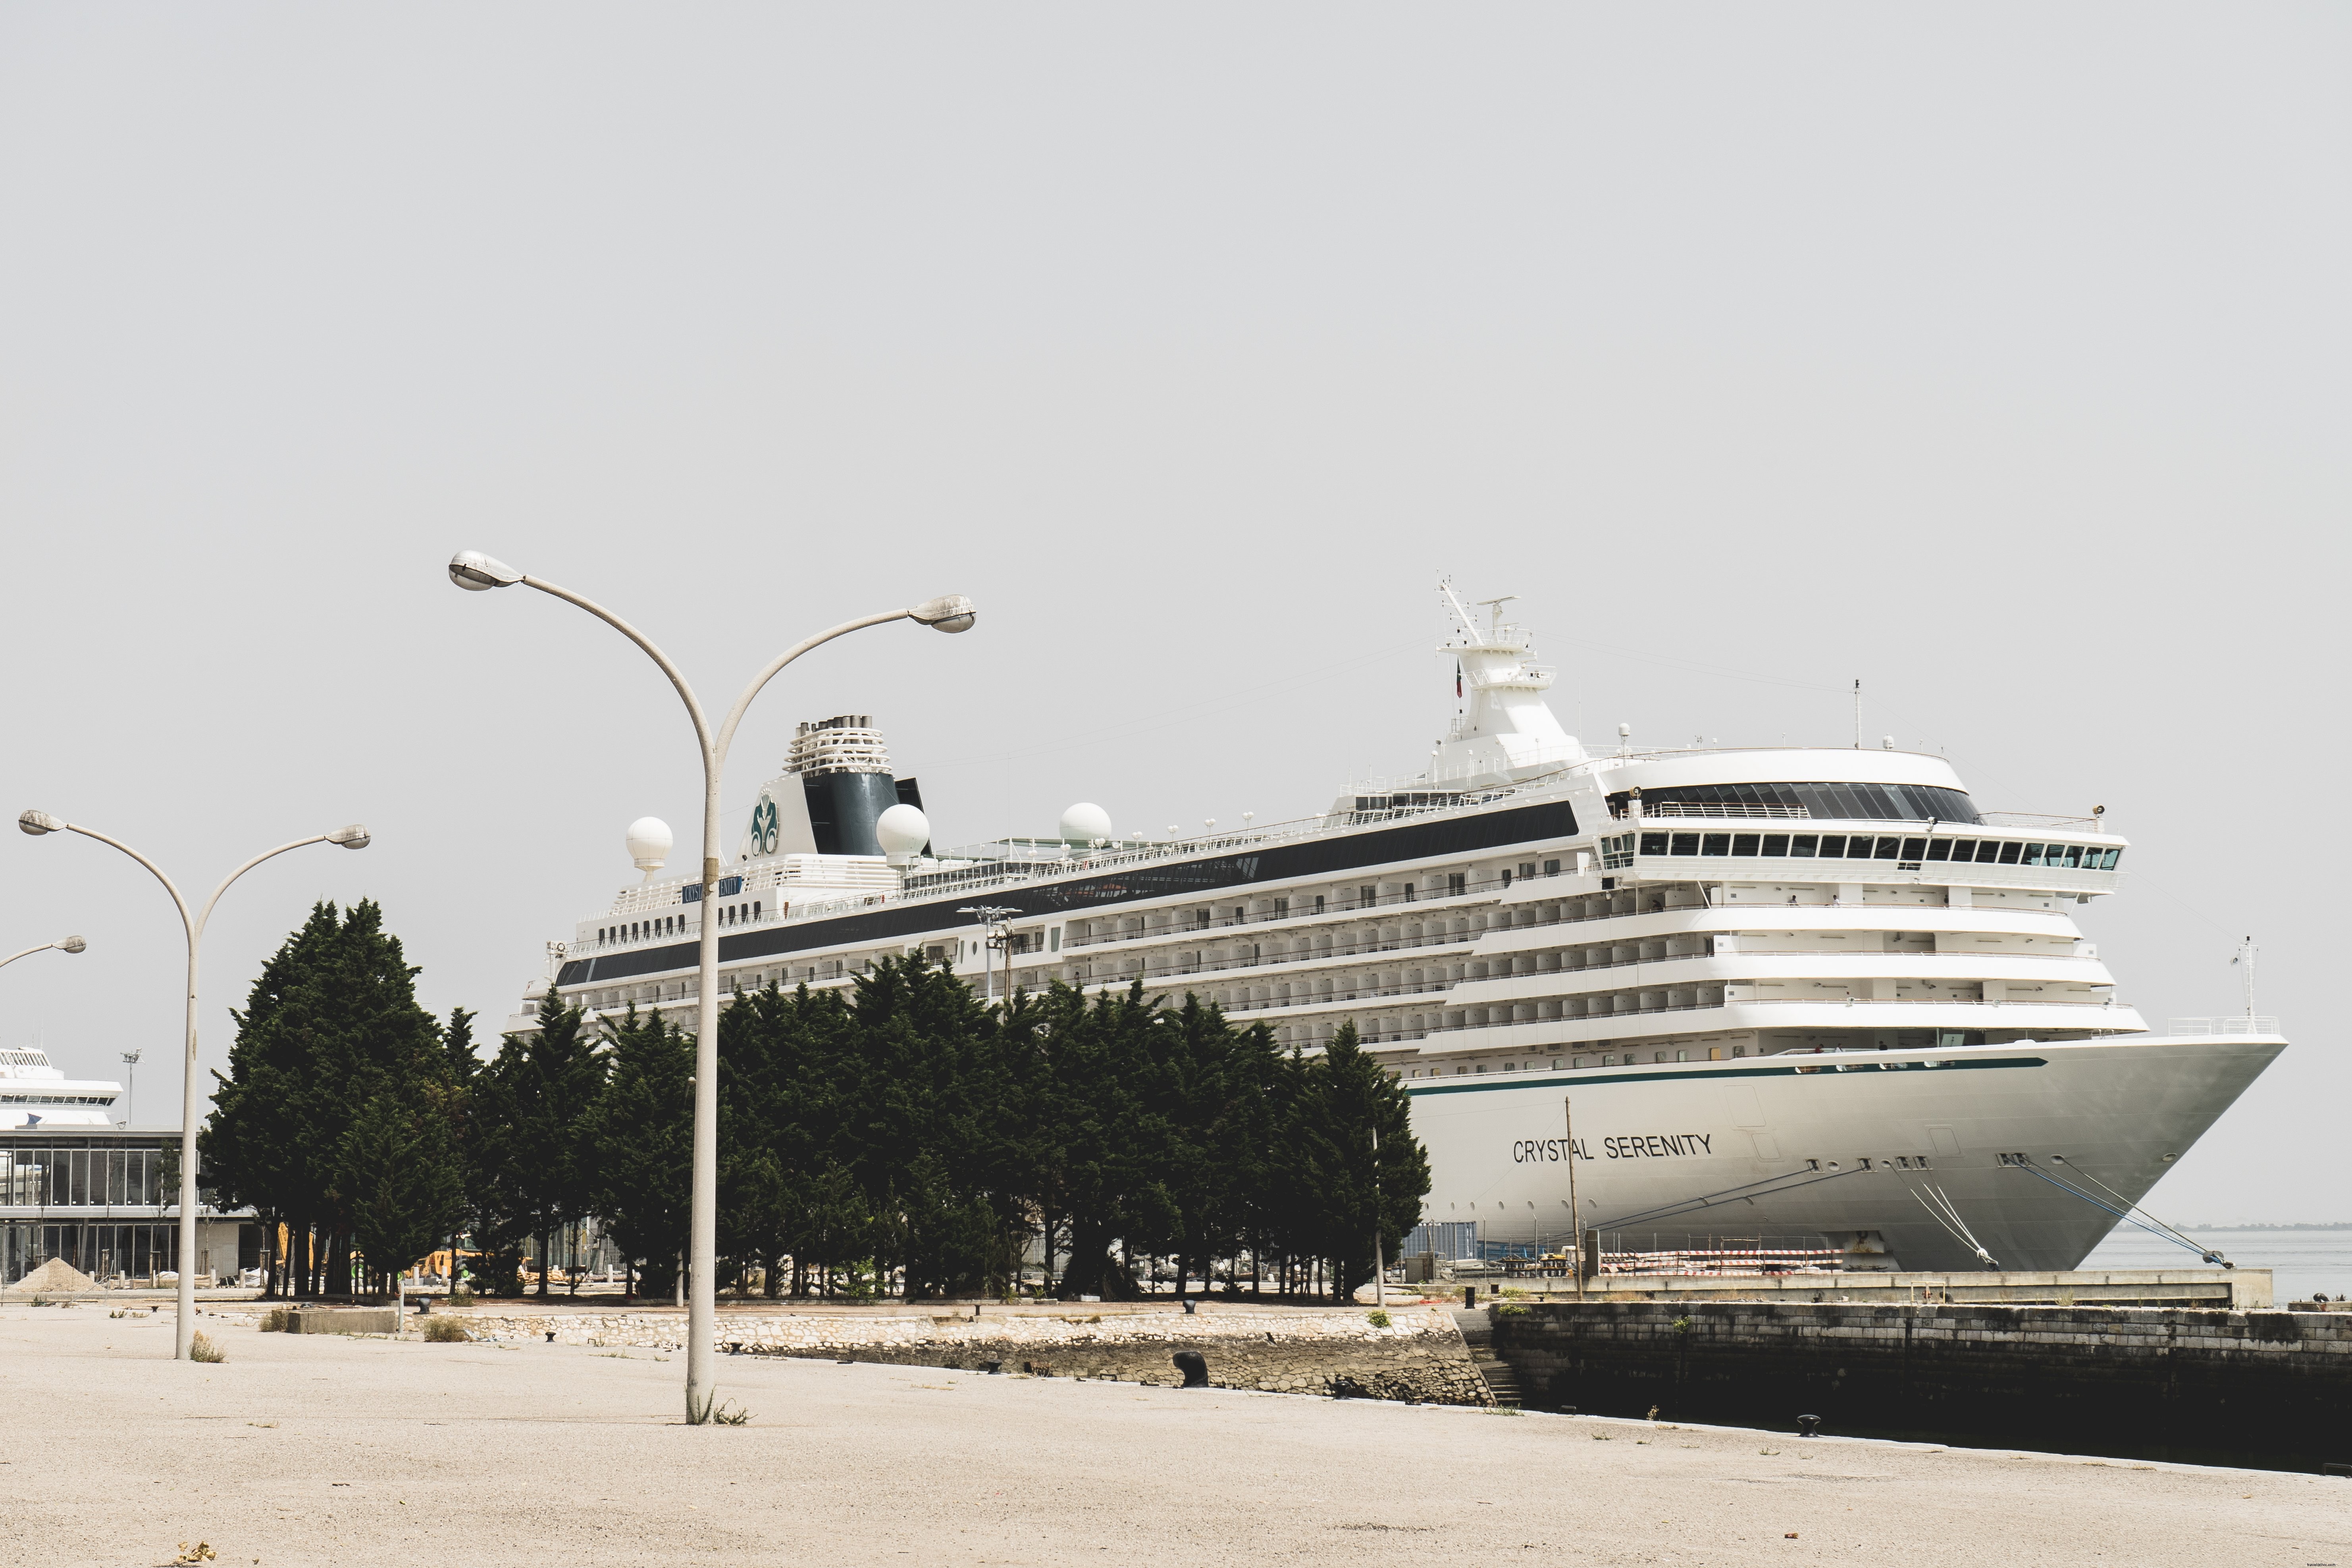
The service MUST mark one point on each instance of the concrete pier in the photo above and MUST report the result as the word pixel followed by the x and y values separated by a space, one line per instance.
pixel 2096 1378
pixel 329 1450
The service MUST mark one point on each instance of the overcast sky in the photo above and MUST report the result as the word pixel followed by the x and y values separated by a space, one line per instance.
pixel 1993 355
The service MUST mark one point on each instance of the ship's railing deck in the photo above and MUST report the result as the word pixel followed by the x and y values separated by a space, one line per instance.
pixel 2240 1024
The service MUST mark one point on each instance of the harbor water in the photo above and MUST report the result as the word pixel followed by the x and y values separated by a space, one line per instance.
pixel 2304 1262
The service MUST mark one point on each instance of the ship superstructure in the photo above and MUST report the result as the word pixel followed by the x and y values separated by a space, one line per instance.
pixel 1784 991
pixel 35 1094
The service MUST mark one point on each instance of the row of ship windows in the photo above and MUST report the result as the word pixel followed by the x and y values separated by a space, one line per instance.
pixel 1947 1039
pixel 1617 852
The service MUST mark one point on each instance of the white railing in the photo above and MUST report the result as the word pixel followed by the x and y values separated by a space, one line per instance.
pixel 2240 1023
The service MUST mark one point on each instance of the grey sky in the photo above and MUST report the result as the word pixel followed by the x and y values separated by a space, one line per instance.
pixel 1992 356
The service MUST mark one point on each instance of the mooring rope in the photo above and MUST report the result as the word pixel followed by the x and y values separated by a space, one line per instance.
pixel 2178 1241
pixel 1947 1216
pixel 2178 1236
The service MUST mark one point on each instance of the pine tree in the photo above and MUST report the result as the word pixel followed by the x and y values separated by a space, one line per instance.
pixel 640 1140
pixel 404 1179
pixel 1363 1191
pixel 538 1101
pixel 331 1024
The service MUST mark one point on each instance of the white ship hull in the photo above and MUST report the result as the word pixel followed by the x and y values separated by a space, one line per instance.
pixel 1809 1151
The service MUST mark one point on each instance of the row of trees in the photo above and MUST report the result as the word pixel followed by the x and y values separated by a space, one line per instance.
pixel 899 1134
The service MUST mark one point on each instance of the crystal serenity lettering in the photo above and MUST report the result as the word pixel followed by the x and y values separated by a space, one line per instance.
pixel 1634 1146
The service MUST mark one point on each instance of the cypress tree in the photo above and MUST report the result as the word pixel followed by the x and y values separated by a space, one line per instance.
pixel 331 1025
pixel 642 1139
pixel 538 1103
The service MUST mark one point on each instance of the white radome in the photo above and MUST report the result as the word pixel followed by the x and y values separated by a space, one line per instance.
pixel 649 843
pixel 902 830
pixel 1087 823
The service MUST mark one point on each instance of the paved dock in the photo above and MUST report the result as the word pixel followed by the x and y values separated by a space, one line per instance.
pixel 307 1449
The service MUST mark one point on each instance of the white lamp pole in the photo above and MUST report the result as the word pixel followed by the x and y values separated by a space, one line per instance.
pixel 950 612
pixel 352 838
pixel 63 944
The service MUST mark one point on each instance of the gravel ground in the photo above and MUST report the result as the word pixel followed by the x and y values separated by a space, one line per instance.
pixel 315 1449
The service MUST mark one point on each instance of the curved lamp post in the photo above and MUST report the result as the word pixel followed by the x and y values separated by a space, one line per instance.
pixel 352 838
pixel 477 573
pixel 63 944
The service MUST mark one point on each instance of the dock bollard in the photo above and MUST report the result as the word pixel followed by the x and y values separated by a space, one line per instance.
pixel 1195 1366
pixel 1809 1426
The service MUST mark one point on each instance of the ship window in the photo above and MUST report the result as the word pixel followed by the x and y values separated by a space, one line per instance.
pixel 1740 1051
pixel 1686 843
pixel 1609 1061
pixel 1715 1053
pixel 2074 854
pixel 1833 847
pixel 2107 861
pixel 1456 883
pixel 1653 842
pixel 1584 1061
pixel 2034 855
pixel 1913 848
pixel 1776 844
pixel 1803 844
pixel 1743 844
pixel 1526 869
pixel 1951 849
pixel 1715 844
pixel 1551 868
pixel 1886 848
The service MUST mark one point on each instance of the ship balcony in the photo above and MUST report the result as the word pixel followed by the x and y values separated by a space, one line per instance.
pixel 1518 1028
pixel 1868 975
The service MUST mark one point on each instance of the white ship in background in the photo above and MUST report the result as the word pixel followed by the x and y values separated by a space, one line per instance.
pixel 1789 992
pixel 35 1094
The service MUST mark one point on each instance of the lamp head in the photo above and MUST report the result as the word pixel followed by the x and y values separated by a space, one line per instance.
pixel 37 822
pixel 351 838
pixel 473 571
pixel 70 944
pixel 948 613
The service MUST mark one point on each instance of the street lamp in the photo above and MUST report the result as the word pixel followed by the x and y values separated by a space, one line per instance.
pixel 477 573
pixel 38 822
pixel 130 1085
pixel 63 944
pixel 998 919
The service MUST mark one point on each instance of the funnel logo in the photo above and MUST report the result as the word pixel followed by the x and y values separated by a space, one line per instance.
pixel 763 827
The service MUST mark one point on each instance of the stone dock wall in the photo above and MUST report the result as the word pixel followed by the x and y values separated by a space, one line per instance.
pixel 2260 1382
pixel 1420 1358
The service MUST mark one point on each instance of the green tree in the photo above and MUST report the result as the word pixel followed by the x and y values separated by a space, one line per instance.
pixel 641 1141
pixel 331 1025
pixel 404 1180
pixel 537 1103
pixel 1372 1174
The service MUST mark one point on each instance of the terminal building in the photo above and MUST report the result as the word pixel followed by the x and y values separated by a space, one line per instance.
pixel 76 1185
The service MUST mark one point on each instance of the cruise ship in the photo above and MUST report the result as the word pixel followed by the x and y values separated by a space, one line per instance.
pixel 1773 997
pixel 35 1094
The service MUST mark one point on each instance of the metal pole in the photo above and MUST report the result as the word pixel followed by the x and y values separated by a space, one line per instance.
pixel 1380 1265
pixel 1575 1214
pixel 701 1264
pixel 37 822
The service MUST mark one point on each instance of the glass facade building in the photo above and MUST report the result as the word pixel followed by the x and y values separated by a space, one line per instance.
pixel 105 1200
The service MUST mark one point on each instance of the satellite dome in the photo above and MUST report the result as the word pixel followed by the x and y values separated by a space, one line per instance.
pixel 649 842
pixel 902 830
pixel 1087 823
